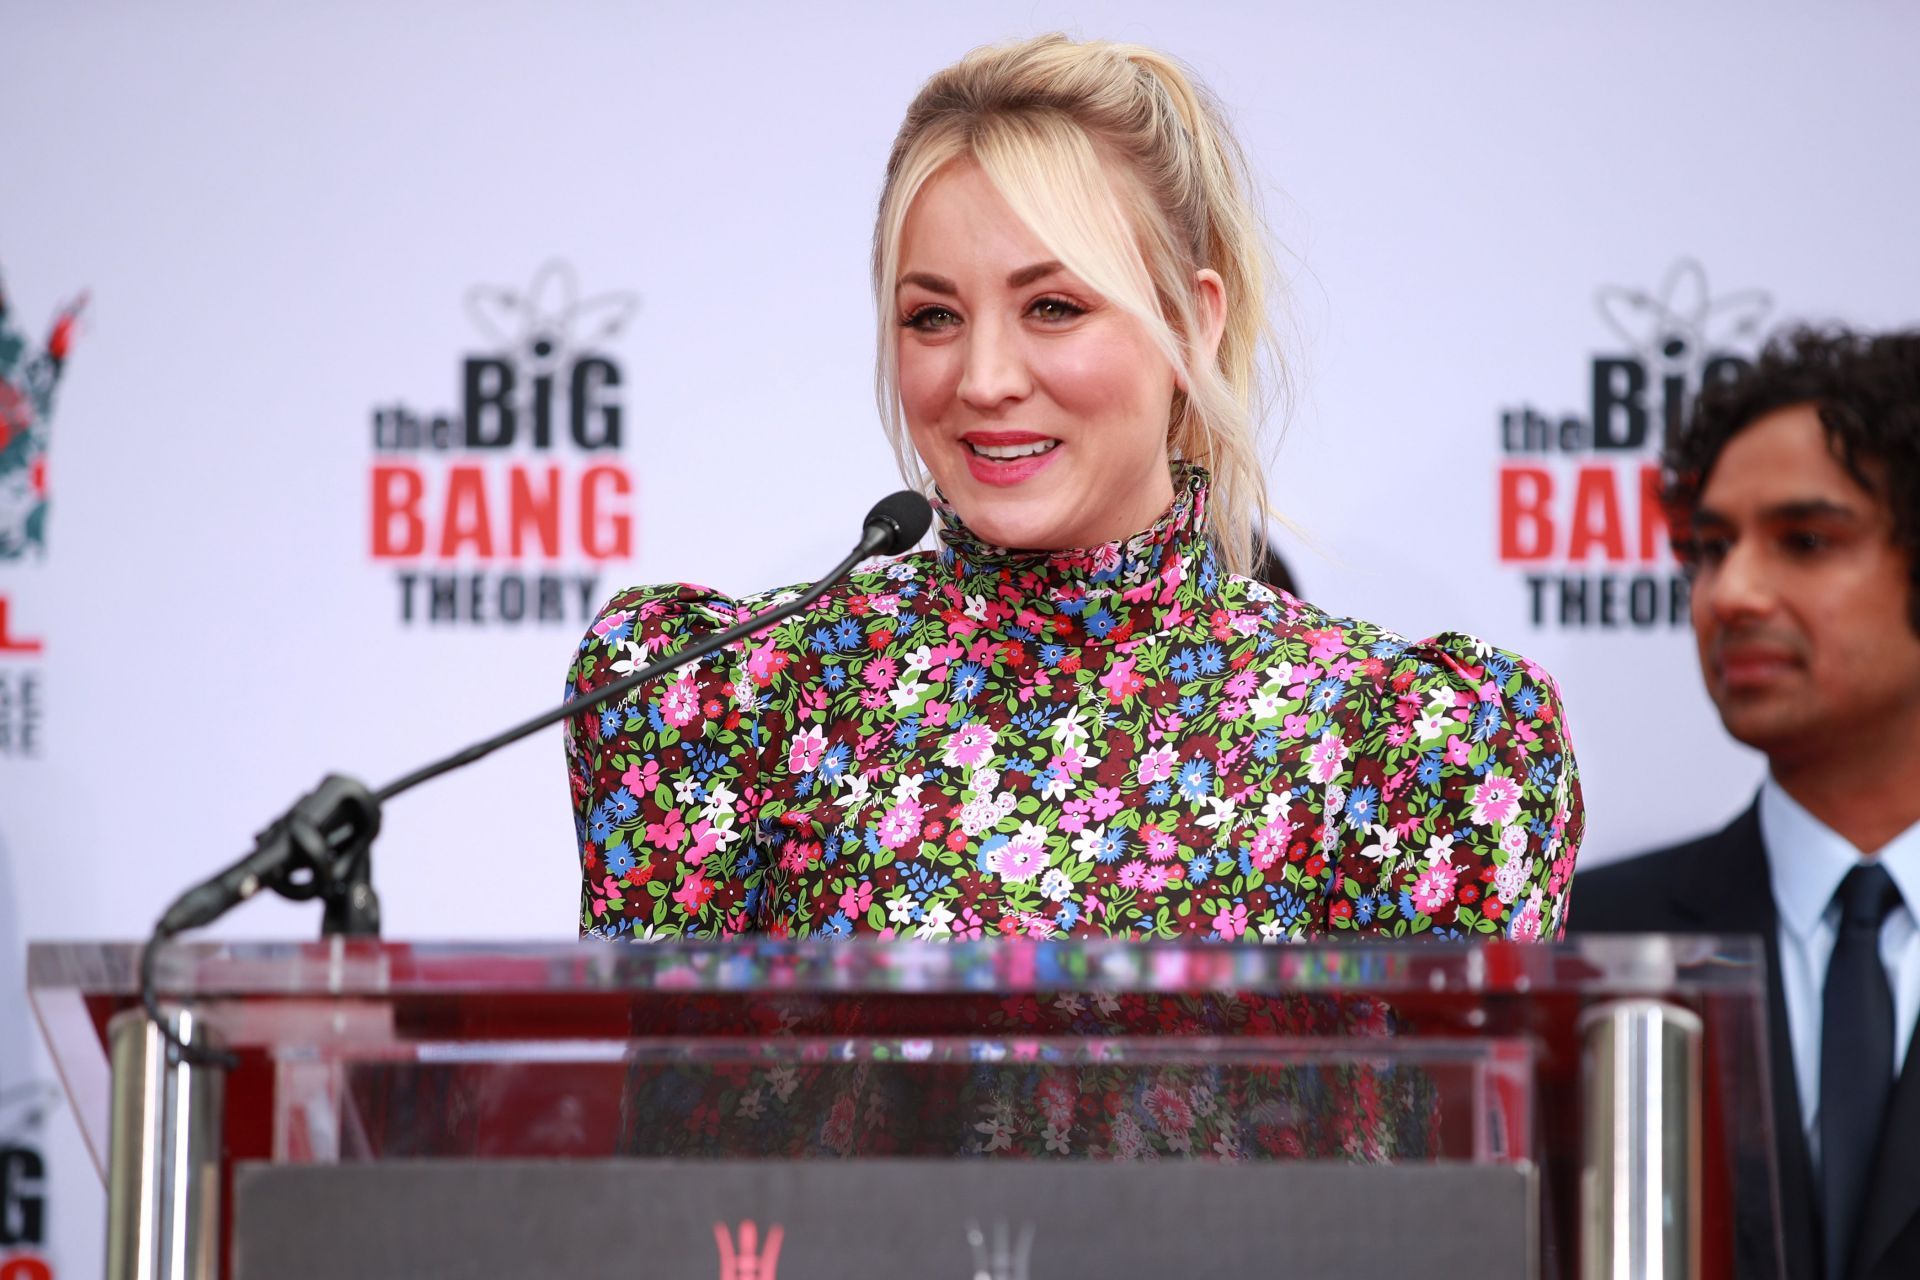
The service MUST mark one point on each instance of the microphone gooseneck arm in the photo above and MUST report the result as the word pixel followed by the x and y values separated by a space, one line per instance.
pixel 323 845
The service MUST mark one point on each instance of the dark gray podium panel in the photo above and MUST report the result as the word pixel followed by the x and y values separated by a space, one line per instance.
pixel 811 1220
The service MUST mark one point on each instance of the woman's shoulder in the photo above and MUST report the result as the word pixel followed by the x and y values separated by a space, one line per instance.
pixel 646 613
pixel 1448 666
pixel 904 576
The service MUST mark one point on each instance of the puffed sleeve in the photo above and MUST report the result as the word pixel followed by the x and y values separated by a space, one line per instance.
pixel 662 782
pixel 1463 815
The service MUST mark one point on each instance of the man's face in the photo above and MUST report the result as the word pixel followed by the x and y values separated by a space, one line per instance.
pixel 1800 596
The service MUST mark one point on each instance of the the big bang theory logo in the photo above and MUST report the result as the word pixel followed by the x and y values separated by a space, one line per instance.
pixel 28 381
pixel 1579 505
pixel 500 512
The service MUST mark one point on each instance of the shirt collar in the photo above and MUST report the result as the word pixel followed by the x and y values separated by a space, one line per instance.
pixel 1112 591
pixel 1807 859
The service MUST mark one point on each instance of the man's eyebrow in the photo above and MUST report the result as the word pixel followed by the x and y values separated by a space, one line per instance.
pixel 1811 509
pixel 926 280
pixel 1781 513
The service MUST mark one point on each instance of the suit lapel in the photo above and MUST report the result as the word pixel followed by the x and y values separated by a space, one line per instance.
pixel 1727 889
pixel 1893 1194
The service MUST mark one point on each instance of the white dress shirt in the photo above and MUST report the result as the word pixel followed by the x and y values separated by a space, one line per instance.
pixel 1807 860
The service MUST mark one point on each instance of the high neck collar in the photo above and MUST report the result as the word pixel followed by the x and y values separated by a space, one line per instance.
pixel 1131 586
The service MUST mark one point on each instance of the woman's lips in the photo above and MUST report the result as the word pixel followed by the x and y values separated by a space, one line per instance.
pixel 1003 471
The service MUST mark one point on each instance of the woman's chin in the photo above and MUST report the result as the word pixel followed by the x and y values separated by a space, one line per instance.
pixel 1018 526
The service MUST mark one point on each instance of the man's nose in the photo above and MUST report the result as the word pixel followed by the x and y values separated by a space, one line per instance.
pixel 1740 586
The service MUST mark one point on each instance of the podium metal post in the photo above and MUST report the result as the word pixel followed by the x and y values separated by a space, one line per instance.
pixel 163 1160
pixel 1640 1174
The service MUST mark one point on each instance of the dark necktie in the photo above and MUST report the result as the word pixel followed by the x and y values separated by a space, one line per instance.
pixel 1856 1057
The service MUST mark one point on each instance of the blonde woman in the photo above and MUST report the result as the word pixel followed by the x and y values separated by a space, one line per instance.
pixel 1075 718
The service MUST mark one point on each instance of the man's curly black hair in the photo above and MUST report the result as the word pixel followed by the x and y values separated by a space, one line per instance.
pixel 1866 389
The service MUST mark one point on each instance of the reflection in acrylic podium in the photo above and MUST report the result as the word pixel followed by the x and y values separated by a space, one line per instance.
pixel 997 1110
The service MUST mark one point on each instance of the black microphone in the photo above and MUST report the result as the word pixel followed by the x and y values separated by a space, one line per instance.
pixel 904 517
pixel 316 848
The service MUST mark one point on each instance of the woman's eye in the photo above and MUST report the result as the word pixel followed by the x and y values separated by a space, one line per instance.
pixel 1055 309
pixel 930 319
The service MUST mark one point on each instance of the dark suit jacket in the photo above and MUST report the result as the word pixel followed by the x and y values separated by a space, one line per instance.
pixel 1719 884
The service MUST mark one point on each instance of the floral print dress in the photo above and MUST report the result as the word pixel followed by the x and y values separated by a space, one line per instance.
pixel 1116 741
pixel 1119 741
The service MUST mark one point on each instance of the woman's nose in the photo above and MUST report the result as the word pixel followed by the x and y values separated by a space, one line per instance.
pixel 996 372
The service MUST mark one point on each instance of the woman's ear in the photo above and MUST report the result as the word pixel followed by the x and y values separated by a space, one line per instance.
pixel 1210 293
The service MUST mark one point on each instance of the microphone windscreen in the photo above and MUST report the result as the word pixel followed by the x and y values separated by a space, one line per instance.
pixel 905 515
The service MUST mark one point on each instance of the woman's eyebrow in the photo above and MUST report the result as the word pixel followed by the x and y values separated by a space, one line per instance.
pixel 1015 280
pixel 1027 275
pixel 931 283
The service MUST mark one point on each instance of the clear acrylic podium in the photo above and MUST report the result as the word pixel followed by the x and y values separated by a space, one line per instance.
pixel 787 1110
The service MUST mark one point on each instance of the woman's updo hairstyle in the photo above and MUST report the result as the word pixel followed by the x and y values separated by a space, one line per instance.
pixel 1125 168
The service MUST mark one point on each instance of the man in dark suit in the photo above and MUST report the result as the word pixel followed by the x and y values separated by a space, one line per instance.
pixel 1795 496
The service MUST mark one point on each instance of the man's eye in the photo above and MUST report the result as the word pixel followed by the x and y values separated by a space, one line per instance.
pixel 1805 542
pixel 929 319
pixel 1696 553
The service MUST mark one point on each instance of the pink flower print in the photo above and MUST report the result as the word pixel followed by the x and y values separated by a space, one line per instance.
pixel 666 834
pixel 1325 757
pixel 1243 684
pixel 612 622
pixel 762 663
pixel 969 745
pixel 1457 751
pixel 641 778
pixel 1121 681
pixel 1326 643
pixel 1270 844
pixel 935 715
pixel 879 673
pixel 901 824
pixel 1022 858
pixel 693 893
pixel 1160 846
pixel 1106 802
pixel 1131 872
pixel 1171 1112
pixel 1527 924
pixel 1231 922
pixel 970 925
pixel 1495 801
pixel 1510 881
pixel 680 704
pixel 1072 760
pixel 856 898
pixel 1154 879
pixel 1157 765
pixel 1434 888
pixel 706 838
pixel 803 754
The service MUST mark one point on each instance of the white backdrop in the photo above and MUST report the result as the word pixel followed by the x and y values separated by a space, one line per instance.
pixel 286 218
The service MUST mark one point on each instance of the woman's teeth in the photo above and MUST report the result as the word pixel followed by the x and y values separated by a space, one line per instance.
pixel 1008 452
